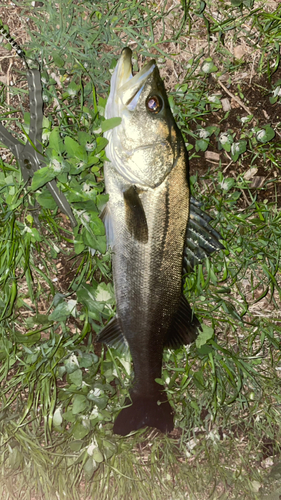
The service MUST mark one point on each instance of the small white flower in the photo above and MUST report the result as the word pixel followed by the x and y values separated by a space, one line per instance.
pixel 94 413
pixel 45 135
pixel 203 134
pixel 85 218
pixel 206 68
pixel 90 146
pixel 86 187
pixel 223 138
pixel 244 119
pixel 73 360
pixel 277 91
pixel 86 422
pixel 72 92
pixel 91 448
pixel 235 148
pixel 261 134
pixel 223 184
pixel 213 98
pixel 57 167
pixel 213 436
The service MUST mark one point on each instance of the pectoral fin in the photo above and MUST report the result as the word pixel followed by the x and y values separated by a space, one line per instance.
pixel 107 220
pixel 135 216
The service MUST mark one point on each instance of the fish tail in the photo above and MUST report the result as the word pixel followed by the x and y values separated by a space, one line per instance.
pixel 153 412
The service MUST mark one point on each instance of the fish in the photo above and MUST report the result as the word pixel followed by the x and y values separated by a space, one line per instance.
pixel 146 220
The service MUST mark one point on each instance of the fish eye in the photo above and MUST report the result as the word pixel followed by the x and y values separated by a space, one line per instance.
pixel 154 104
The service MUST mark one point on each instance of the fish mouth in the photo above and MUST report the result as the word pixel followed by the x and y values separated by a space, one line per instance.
pixel 128 87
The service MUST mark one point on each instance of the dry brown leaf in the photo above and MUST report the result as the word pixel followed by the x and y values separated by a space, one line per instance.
pixel 250 173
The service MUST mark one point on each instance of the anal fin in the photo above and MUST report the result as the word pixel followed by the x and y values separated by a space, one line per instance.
pixel 185 326
pixel 112 336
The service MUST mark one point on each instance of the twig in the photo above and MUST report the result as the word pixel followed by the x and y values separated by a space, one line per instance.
pixel 237 99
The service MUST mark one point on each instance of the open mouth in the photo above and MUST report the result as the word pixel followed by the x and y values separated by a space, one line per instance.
pixel 129 87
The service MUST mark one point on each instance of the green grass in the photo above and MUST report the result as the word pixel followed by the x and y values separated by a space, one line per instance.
pixel 59 393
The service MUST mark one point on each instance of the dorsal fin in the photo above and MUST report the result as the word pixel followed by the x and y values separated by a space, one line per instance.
pixel 201 238
pixel 135 216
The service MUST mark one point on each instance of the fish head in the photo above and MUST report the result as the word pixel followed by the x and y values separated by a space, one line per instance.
pixel 145 146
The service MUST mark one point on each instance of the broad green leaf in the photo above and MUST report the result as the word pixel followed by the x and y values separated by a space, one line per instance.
pixel 237 148
pixel 71 363
pixel 41 177
pixel 110 123
pixel 86 140
pixel 101 143
pixel 87 360
pixel 76 445
pixel 265 134
pixel 96 242
pixel 46 200
pixel 99 401
pixel 76 377
pixel 86 295
pixel 97 225
pixel 97 455
pixel 201 144
pixel 203 337
pixel 108 448
pixel 89 467
pixel 62 311
pixel 75 150
pixel 104 293
pixel 79 431
pixel 55 141
pixel 58 60
pixel 80 403
pixel 73 89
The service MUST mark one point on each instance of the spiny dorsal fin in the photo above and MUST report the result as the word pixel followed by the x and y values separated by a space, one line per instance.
pixel 185 326
pixel 201 238
pixel 135 216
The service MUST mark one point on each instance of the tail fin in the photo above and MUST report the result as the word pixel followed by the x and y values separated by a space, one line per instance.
pixel 145 412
